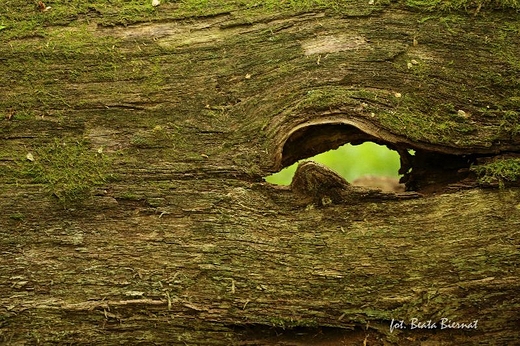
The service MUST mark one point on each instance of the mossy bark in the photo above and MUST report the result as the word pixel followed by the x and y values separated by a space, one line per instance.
pixel 172 120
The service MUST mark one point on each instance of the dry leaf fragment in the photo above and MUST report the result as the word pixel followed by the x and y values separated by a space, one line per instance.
pixel 463 114
pixel 10 114
pixel 42 7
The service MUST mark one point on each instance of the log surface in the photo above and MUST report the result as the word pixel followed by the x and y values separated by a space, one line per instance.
pixel 141 215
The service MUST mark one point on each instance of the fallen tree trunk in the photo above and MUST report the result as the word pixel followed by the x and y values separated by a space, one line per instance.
pixel 134 146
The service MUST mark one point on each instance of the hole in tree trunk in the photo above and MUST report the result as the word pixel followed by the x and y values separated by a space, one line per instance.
pixel 368 165
pixel 420 169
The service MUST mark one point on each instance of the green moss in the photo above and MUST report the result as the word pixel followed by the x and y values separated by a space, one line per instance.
pixel 20 18
pixel 131 196
pixel 158 137
pixel 298 5
pixel 331 97
pixel 467 5
pixel 338 5
pixel 434 128
pixel 23 18
pixel 17 216
pixel 287 323
pixel 407 113
pixel 68 169
pixel 500 171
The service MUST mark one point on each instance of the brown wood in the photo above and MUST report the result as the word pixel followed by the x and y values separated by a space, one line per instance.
pixel 142 216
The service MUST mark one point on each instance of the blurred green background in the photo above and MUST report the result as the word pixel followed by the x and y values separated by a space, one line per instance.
pixel 350 162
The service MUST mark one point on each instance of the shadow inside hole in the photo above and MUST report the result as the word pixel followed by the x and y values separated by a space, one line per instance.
pixel 367 164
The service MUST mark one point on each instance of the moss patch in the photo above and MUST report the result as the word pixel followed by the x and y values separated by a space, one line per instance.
pixel 68 169
pixel 158 137
pixel 500 171
pixel 467 5
pixel 20 18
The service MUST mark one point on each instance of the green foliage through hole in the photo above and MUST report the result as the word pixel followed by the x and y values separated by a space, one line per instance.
pixel 351 162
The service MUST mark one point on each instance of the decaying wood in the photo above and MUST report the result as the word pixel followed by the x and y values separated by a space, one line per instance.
pixel 175 121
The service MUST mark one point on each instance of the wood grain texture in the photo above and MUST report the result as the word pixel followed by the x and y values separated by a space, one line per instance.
pixel 171 236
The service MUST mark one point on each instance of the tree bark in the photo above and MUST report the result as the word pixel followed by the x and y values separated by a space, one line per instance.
pixel 134 146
